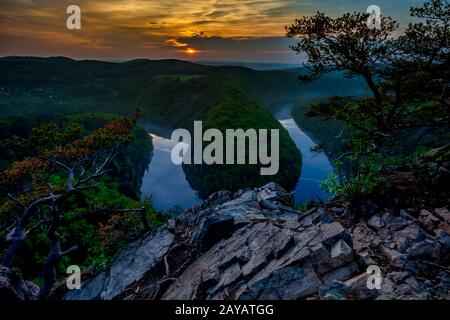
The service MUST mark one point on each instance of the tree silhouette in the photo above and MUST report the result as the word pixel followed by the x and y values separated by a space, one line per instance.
pixel 345 43
pixel 399 71
pixel 407 74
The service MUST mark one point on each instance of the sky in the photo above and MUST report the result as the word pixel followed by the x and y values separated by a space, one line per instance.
pixel 228 30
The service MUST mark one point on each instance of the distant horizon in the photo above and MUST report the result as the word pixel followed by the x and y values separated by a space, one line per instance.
pixel 118 30
pixel 204 62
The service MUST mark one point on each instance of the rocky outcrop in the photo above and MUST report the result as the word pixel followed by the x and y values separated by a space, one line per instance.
pixel 129 267
pixel 13 287
pixel 254 245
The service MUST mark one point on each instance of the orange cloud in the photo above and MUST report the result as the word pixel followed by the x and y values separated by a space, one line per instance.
pixel 189 34
pixel 175 43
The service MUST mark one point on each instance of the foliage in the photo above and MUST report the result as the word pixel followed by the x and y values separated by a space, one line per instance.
pixel 408 77
pixel 49 198
pixel 170 92
pixel 229 102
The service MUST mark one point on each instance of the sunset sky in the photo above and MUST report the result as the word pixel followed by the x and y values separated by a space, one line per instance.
pixel 244 30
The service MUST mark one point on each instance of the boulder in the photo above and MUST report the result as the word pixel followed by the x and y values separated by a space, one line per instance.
pixel 253 245
pixel 130 265
pixel 13 287
pixel 269 260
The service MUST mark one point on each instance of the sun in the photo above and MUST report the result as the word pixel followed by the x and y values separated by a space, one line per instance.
pixel 190 51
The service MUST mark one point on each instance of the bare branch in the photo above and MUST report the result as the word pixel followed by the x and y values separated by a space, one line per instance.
pixel 20 203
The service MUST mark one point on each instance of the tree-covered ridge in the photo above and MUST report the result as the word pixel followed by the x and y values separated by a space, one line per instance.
pixel 169 92
pixel 25 136
pixel 46 86
pixel 233 110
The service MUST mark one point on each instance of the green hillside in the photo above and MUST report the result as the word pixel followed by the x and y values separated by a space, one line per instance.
pixel 172 93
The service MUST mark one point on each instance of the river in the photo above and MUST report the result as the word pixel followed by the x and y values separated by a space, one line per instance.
pixel 167 184
pixel 315 166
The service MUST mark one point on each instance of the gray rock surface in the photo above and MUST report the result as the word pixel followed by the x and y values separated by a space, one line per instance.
pixel 130 265
pixel 254 245
pixel 14 287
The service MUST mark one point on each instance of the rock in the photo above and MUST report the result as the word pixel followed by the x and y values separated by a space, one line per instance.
pixel 288 283
pixel 443 213
pixel 396 258
pixel 444 240
pixel 216 228
pixel 358 289
pixel 376 222
pixel 335 290
pixel 341 253
pixel 269 260
pixel 253 245
pixel 427 249
pixel 366 258
pixel 398 277
pixel 171 224
pixel 13 287
pixel 364 237
pixel 341 273
pixel 428 220
pixel 90 289
pixel 131 264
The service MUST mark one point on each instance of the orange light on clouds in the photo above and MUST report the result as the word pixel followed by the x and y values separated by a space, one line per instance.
pixel 176 43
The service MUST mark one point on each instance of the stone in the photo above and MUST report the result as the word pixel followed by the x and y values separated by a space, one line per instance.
pixel 427 249
pixel 341 273
pixel 289 283
pixel 358 289
pixel 216 228
pixel 376 222
pixel 130 265
pixel 364 237
pixel 341 253
pixel 13 287
pixel 171 224
pixel 233 246
pixel 91 289
pixel 428 220
pixel 396 258
pixel 398 277
pixel 443 213
pixel 366 258
pixel 335 290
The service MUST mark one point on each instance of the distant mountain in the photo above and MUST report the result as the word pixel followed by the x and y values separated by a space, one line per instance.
pixel 251 65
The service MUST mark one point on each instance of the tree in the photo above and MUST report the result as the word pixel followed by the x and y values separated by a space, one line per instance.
pixel 419 69
pixel 408 76
pixel 34 201
pixel 345 43
pixel 402 72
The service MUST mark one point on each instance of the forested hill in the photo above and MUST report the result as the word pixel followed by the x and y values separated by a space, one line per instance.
pixel 31 86
pixel 172 93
